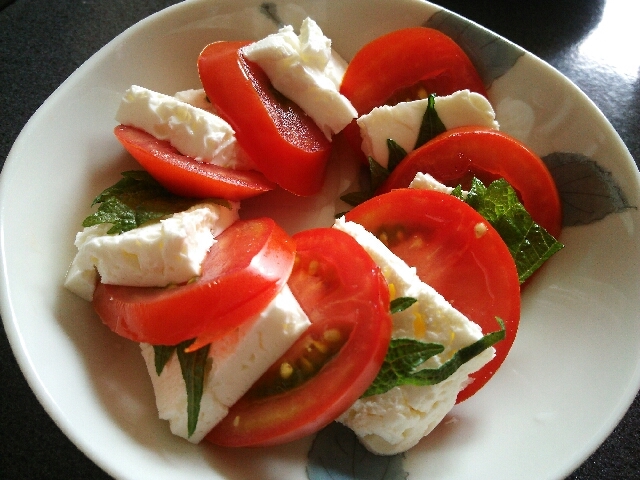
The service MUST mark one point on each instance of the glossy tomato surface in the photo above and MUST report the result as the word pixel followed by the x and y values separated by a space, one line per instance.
pixel 456 156
pixel 184 175
pixel 284 143
pixel 347 300
pixel 243 271
pixel 456 252
pixel 405 65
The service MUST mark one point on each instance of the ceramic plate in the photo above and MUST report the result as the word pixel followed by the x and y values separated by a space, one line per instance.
pixel 573 370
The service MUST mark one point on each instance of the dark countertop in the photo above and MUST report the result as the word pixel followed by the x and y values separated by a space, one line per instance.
pixel 39 49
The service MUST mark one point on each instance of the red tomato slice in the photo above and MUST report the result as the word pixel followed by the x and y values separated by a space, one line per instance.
pixel 184 175
pixel 470 267
pixel 242 272
pixel 284 143
pixel 347 299
pixel 456 156
pixel 404 65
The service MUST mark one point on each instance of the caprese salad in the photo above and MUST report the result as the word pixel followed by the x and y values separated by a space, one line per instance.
pixel 384 320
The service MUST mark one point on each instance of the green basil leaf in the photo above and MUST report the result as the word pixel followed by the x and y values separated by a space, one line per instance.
pixel 355 198
pixel 396 154
pixel 114 211
pixel 530 244
pixel 431 125
pixel 162 354
pixel 135 200
pixel 406 355
pixel 457 192
pixel 378 174
pixel 194 369
pixel 401 303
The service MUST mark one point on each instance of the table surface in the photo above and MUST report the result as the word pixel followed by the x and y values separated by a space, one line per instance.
pixel 39 49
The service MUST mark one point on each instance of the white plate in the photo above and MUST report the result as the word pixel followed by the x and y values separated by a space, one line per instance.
pixel 573 370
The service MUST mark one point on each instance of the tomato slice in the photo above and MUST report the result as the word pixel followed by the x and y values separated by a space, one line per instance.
pixel 284 143
pixel 347 300
pixel 456 156
pixel 456 252
pixel 242 272
pixel 404 65
pixel 184 175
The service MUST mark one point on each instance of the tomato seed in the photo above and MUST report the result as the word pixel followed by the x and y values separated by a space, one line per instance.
pixel 286 370
pixel 332 335
pixel 313 267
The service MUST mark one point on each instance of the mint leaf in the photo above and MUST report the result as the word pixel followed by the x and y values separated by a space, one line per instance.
pixel 405 355
pixel 135 200
pixel 530 245
pixel 162 354
pixel 193 366
pixel 401 303
pixel 336 454
pixel 431 125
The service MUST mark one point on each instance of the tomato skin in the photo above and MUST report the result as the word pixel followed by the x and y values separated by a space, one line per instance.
pixel 284 143
pixel 457 155
pixel 476 274
pixel 384 71
pixel 184 175
pixel 243 271
pixel 347 293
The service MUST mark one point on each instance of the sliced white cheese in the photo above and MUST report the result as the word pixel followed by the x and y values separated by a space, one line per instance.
pixel 156 255
pixel 308 71
pixel 401 122
pixel 395 421
pixel 237 361
pixel 82 276
pixel 192 131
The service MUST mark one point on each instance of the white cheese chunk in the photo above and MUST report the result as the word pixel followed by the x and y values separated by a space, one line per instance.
pixel 192 131
pixel 155 255
pixel 396 420
pixel 82 276
pixel 308 71
pixel 401 122
pixel 196 98
pixel 424 181
pixel 464 108
pixel 237 361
